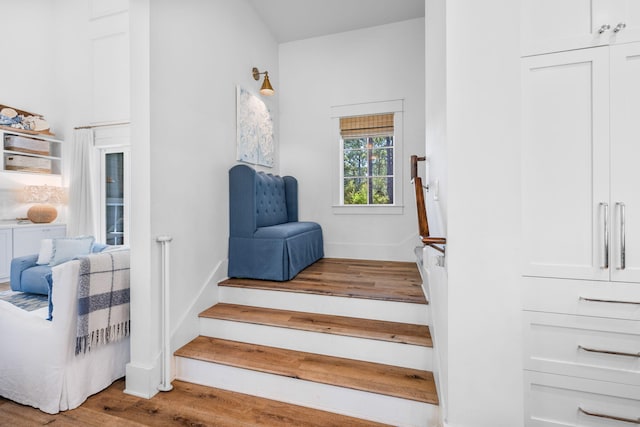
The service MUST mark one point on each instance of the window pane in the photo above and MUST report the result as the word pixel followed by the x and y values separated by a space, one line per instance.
pixel 114 215
pixel 355 163
pixel 382 161
pixel 382 141
pixel 382 191
pixel 354 144
pixel 356 191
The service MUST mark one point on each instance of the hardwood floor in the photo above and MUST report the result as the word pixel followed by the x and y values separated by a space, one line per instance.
pixel 186 405
pixel 195 405
pixel 394 381
pixel 4 286
pixel 381 280
pixel 314 322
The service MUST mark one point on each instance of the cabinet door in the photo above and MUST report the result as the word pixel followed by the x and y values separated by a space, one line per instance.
pixel 5 253
pixel 625 168
pixel 554 26
pixel 565 164
pixel 625 15
pixel 26 241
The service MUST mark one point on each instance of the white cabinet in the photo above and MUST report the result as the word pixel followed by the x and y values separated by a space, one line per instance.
pixel 581 213
pixel 580 205
pixel 6 248
pixel 31 153
pixel 26 239
pixel 560 401
pixel 553 26
pixel 625 171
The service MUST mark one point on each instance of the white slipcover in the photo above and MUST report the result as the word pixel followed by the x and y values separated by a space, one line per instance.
pixel 38 365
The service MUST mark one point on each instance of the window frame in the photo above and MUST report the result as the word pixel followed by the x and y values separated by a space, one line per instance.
pixel 369 108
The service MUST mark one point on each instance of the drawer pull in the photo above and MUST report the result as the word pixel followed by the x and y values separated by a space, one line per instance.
pixel 609 417
pixel 616 353
pixel 609 300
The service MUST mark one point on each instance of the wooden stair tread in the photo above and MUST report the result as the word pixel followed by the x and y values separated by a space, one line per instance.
pixel 388 380
pixel 338 325
pixel 378 280
pixel 197 405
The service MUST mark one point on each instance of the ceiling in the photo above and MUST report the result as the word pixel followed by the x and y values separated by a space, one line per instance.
pixel 291 20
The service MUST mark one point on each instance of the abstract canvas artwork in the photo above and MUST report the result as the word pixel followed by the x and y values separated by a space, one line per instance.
pixel 254 143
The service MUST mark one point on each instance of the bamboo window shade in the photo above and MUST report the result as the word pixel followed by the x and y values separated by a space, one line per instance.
pixel 373 125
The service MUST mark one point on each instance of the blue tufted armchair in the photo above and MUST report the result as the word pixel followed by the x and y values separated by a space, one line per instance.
pixel 266 240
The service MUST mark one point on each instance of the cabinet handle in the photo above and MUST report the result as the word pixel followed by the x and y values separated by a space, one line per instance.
pixel 603 28
pixel 621 26
pixel 623 250
pixel 605 235
pixel 609 417
pixel 608 300
pixel 615 353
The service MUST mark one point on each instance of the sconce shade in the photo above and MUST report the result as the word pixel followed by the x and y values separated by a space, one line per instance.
pixel 42 214
pixel 266 89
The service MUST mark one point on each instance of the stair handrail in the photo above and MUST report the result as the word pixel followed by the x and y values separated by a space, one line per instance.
pixel 423 222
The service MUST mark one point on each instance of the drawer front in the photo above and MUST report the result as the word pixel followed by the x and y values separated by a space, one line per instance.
pixel 557 400
pixel 590 347
pixel 582 297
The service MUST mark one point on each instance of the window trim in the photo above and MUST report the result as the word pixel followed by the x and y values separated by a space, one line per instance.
pixel 369 108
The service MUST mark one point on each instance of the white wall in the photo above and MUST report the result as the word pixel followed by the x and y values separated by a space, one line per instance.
pixel 43 72
pixel 199 51
pixel 436 176
pixel 481 137
pixel 374 64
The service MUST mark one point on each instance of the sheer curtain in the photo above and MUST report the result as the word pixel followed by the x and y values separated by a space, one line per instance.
pixel 83 213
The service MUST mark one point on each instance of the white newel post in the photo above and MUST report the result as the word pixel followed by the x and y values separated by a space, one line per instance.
pixel 165 385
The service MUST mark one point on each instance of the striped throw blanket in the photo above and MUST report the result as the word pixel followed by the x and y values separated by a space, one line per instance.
pixel 103 299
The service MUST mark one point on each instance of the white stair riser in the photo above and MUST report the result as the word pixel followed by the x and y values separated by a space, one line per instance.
pixel 355 403
pixel 388 353
pixel 391 311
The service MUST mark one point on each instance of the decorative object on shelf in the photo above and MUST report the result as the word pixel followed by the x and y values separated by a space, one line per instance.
pixel 266 89
pixel 255 142
pixel 43 196
pixel 23 121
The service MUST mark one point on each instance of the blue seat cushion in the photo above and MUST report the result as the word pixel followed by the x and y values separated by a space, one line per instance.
pixel 286 230
pixel 34 279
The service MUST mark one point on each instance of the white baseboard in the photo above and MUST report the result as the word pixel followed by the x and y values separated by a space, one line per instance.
pixel 187 326
pixel 142 381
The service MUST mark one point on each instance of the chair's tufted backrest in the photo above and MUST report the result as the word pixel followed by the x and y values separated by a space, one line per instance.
pixel 271 201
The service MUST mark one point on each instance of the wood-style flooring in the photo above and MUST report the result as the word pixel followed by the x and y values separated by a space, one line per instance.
pixel 389 380
pixel 338 325
pixel 194 405
pixel 186 405
pixel 380 280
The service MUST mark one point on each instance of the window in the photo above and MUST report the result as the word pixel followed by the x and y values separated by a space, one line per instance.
pixel 114 206
pixel 368 173
pixel 368 159
pixel 112 154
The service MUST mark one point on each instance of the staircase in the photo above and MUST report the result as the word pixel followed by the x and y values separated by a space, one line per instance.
pixel 345 336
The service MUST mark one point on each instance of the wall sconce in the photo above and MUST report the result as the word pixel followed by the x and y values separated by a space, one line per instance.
pixel 266 89
pixel 43 212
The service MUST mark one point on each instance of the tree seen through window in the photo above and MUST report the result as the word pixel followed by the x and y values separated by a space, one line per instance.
pixel 368 170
